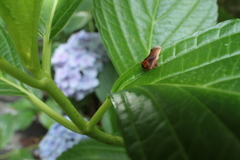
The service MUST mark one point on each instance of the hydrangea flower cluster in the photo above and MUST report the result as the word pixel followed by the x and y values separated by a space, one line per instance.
pixel 57 140
pixel 77 64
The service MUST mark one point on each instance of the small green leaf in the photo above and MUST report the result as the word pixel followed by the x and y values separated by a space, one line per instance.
pixel 94 150
pixel 45 120
pixel 21 154
pixel 7 129
pixel 9 85
pixel 179 122
pixel 107 78
pixel 208 58
pixel 25 113
pixel 77 21
pixel 21 18
pixel 129 29
pixel 86 5
pixel 61 15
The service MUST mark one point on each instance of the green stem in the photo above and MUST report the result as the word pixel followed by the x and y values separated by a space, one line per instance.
pixel 47 43
pixel 46 58
pixel 106 138
pixel 18 74
pixel 42 106
pixel 90 22
pixel 51 88
pixel 51 113
pixel 98 115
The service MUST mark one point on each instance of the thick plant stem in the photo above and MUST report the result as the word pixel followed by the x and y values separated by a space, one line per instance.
pixel 51 88
pixel 106 138
pixel 46 65
pixel 77 119
pixel 98 115
pixel 18 74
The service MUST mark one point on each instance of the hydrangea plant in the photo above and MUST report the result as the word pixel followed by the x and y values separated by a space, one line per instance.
pixel 187 107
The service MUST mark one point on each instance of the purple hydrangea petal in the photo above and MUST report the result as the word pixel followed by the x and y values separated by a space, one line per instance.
pixel 88 83
pixel 57 140
pixel 87 60
pixel 90 73
pixel 61 73
pixel 60 55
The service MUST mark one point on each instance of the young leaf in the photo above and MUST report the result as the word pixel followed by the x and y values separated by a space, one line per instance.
pixel 60 13
pixel 7 129
pixel 78 21
pixel 21 18
pixel 179 122
pixel 25 113
pixel 21 154
pixel 129 29
pixel 208 58
pixel 94 150
pixel 8 52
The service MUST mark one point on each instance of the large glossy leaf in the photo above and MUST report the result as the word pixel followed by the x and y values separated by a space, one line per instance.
pixel 130 28
pixel 8 52
pixel 208 58
pixel 61 14
pixel 94 150
pixel 179 122
pixel 21 18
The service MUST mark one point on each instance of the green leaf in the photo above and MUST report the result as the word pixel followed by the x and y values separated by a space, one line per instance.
pixel 109 122
pixel 21 18
pixel 45 120
pixel 208 58
pixel 86 5
pixel 106 81
pixel 78 20
pixel 94 150
pixel 130 28
pixel 9 85
pixel 61 14
pixel 7 129
pixel 21 154
pixel 25 113
pixel 179 122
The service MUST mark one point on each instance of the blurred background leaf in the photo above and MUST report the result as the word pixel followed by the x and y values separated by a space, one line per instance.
pixel 25 113
pixel 7 128
pixel 21 154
